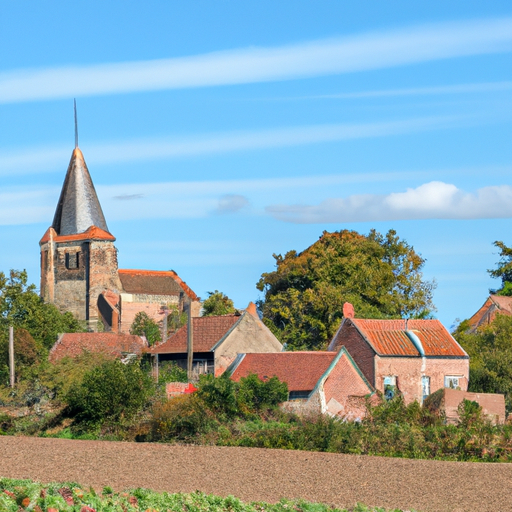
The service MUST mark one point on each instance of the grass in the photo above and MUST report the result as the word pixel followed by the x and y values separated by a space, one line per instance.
pixel 27 495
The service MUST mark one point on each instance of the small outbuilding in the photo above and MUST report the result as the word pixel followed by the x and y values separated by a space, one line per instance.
pixel 318 382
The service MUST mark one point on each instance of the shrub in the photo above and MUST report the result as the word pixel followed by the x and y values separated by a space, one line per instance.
pixel 255 395
pixel 110 392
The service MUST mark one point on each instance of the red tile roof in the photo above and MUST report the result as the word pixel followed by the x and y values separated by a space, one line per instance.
pixel 495 304
pixel 111 297
pixel 93 233
pixel 73 344
pixel 300 370
pixel 389 337
pixel 154 282
pixel 207 331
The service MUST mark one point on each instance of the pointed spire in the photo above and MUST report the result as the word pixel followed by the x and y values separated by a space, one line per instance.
pixel 78 208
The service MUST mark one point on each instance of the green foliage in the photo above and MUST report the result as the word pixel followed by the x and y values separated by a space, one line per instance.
pixel 380 275
pixel 171 372
pixel 218 394
pixel 218 304
pixel 18 495
pixel 175 319
pixel 490 357
pixel 111 392
pixel 503 270
pixel 26 354
pixel 255 395
pixel 21 307
pixel 143 325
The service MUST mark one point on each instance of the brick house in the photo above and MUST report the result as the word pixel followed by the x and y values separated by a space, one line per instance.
pixel 494 305
pixel 414 357
pixel 318 382
pixel 79 267
pixel 119 346
pixel 217 340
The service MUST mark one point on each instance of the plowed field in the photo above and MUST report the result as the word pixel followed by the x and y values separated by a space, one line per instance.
pixel 263 475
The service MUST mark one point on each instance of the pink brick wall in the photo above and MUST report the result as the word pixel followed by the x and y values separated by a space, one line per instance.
pixel 360 351
pixel 409 373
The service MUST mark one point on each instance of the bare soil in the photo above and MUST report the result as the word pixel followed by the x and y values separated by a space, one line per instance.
pixel 254 474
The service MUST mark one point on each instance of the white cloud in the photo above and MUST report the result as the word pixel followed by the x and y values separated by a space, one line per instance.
pixel 29 161
pixel 427 91
pixel 434 200
pixel 248 65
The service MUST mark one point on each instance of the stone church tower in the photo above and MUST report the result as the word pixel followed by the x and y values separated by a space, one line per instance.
pixel 78 255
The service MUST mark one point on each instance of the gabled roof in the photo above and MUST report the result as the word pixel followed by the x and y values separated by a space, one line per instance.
pixel 401 337
pixel 78 208
pixel 300 370
pixel 492 306
pixel 154 282
pixel 207 332
pixel 117 345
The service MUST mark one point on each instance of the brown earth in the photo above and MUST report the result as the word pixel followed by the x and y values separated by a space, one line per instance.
pixel 254 474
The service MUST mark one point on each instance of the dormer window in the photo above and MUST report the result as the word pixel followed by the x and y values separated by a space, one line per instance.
pixel 72 260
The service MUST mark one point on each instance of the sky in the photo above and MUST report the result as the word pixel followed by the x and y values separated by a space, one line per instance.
pixel 220 133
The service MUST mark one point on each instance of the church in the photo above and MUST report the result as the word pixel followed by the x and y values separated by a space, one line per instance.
pixel 79 267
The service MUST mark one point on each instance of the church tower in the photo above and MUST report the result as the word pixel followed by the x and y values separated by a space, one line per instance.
pixel 78 255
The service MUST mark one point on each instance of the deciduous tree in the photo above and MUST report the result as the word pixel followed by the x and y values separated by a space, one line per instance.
pixel 380 275
pixel 217 304
pixel 503 270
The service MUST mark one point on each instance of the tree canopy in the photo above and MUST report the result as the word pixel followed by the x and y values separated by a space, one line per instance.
pixel 23 308
pixel 217 304
pixel 503 270
pixel 490 357
pixel 380 275
pixel 143 325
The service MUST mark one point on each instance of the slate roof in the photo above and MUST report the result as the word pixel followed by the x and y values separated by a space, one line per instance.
pixel 207 331
pixel 300 370
pixel 74 344
pixel 390 337
pixel 78 208
pixel 154 282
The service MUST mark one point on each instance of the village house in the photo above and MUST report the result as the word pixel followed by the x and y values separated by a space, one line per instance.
pixel 494 305
pixel 79 268
pixel 318 382
pixel 413 357
pixel 119 346
pixel 217 340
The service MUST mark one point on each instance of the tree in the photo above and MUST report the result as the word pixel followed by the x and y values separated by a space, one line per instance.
pixel 143 325
pixel 218 304
pixel 380 275
pixel 503 270
pixel 22 307
pixel 490 357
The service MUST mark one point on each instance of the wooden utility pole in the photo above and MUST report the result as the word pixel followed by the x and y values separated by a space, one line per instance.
pixel 190 344
pixel 11 356
pixel 164 325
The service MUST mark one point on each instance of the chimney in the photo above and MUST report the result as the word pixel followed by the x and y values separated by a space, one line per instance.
pixel 251 309
pixel 348 310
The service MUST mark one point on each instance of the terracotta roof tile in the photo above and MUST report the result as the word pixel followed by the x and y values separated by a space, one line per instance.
pixel 389 337
pixel 300 370
pixel 111 297
pixel 93 233
pixel 208 330
pixel 155 282
pixel 73 344
pixel 503 303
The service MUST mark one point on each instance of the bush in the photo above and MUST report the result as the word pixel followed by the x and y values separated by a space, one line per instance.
pixel 255 395
pixel 110 392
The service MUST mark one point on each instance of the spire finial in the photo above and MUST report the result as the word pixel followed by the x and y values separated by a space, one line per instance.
pixel 76 125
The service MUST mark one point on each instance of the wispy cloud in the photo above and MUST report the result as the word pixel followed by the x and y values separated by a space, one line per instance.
pixel 434 200
pixel 231 203
pixel 423 91
pixel 28 161
pixel 362 52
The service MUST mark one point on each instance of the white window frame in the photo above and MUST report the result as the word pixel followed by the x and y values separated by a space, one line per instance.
pixel 452 381
pixel 425 386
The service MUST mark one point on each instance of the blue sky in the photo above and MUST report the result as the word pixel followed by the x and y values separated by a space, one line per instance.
pixel 219 133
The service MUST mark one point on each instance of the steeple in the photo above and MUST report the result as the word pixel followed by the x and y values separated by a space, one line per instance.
pixel 78 208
